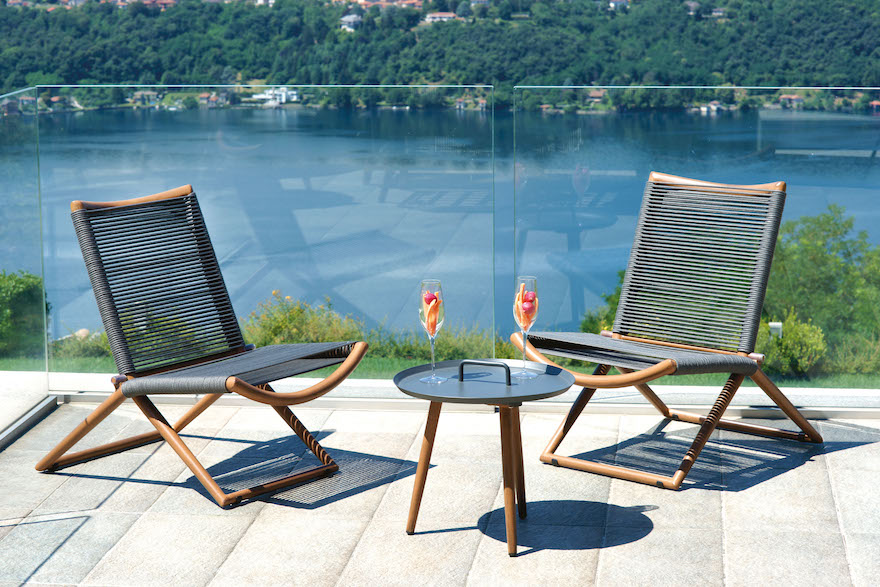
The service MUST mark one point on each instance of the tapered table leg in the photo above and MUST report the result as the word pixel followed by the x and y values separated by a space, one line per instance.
pixel 518 463
pixel 508 465
pixel 424 464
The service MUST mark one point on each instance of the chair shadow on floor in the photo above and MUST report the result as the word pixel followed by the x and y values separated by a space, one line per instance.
pixel 730 461
pixel 266 460
pixel 260 461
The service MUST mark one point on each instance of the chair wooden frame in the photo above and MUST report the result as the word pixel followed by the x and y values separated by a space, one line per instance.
pixel 58 458
pixel 640 379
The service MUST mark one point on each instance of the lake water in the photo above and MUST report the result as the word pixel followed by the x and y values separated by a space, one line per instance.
pixel 358 206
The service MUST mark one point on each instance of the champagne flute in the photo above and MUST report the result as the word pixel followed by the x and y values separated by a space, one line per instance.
pixel 525 310
pixel 432 312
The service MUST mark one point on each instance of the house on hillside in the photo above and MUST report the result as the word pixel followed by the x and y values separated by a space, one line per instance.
pixel 9 106
pixel 618 4
pixel 145 98
pixel 692 7
pixel 350 22
pixel 597 94
pixel 276 96
pixel 433 17
pixel 791 101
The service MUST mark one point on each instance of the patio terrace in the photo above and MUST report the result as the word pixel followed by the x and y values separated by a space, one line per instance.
pixel 754 510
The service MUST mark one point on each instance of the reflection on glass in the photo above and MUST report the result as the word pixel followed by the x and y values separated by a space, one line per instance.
pixel 583 156
pixel 22 305
pixel 322 195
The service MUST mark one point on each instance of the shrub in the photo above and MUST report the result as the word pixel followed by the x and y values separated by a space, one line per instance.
pixel 602 318
pixel 825 270
pixel 284 320
pixel 858 354
pixel 22 327
pixel 81 344
pixel 798 352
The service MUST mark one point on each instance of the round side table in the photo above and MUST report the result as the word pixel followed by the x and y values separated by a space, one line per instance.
pixel 483 381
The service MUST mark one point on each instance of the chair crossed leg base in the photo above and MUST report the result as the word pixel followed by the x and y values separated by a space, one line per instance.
pixel 57 459
pixel 708 424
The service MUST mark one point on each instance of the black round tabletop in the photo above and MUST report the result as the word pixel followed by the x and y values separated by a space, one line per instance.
pixel 483 384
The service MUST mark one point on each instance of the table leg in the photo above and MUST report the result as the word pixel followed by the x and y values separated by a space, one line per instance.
pixel 424 464
pixel 518 463
pixel 508 466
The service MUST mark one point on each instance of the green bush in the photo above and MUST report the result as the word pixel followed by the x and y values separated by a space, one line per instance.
pixel 798 352
pixel 602 318
pixel 22 326
pixel 284 320
pixel 81 344
pixel 826 271
pixel 859 354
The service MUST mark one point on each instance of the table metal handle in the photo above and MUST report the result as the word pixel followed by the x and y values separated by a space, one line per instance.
pixel 484 364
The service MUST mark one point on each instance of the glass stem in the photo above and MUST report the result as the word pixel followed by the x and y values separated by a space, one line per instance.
pixel 525 336
pixel 432 356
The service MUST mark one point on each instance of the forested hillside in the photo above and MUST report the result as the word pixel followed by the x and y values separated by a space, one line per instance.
pixel 756 42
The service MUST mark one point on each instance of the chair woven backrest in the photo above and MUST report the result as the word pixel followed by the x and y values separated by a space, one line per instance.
pixel 700 263
pixel 157 283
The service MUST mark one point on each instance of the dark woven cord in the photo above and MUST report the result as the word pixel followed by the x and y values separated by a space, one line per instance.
pixel 157 282
pixel 637 355
pixel 259 366
pixel 699 265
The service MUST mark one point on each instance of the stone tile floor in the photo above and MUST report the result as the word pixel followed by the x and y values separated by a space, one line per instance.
pixel 754 510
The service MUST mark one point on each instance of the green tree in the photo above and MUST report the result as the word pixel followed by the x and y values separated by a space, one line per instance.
pixel 826 271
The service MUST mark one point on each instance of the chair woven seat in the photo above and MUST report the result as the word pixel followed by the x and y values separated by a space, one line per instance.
pixel 257 367
pixel 637 355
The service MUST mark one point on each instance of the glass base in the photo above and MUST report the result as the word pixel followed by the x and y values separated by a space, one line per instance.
pixel 523 374
pixel 433 379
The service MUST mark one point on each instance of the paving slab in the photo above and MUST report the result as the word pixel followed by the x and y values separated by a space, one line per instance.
pixel 658 446
pixel 769 557
pixel 689 507
pixel 855 493
pixel 592 432
pixel 7 525
pixel 661 556
pixel 438 554
pixel 353 493
pixel 54 427
pixel 556 496
pixel 170 549
pixel 285 546
pixel 546 555
pixel 864 562
pixel 455 493
pixel 124 482
pixel 790 499
pixel 187 495
pixel 60 548
pixel 23 488
pixel 375 421
pixel 853 444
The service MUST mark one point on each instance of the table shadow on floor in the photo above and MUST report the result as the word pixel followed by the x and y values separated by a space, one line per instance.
pixel 537 532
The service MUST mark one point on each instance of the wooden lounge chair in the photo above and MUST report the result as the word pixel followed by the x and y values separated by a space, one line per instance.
pixel 690 303
pixel 172 329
